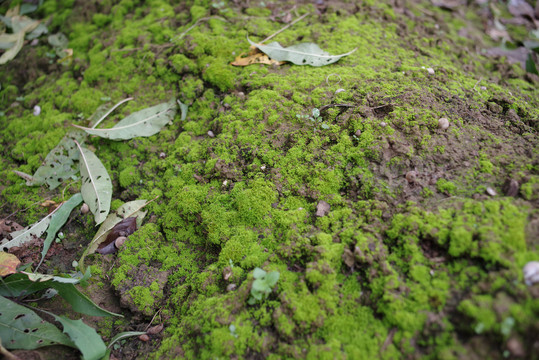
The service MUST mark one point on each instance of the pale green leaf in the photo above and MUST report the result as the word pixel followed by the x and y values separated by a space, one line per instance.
pixel 96 186
pixel 59 164
pixel 183 110
pixel 34 231
pixel 258 273
pixel 272 278
pixel 8 40
pixel 146 122
pixel 58 220
pixel 14 50
pixel 301 54
pixel 85 338
pixel 21 328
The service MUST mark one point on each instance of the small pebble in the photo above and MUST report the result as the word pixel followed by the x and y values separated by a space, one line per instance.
pixel 120 240
pixel 483 88
pixel 443 123
pixel 531 273
pixel 322 209
pixel 37 110
pixel 155 329
pixel 231 287
pixel 491 191
pixel 84 209
pixel 430 71
pixel 411 176
pixel 383 124
pixel 339 91
pixel 358 133
pixel 162 155
pixel 263 167
pixel 34 42
pixel 144 337
pixel 211 134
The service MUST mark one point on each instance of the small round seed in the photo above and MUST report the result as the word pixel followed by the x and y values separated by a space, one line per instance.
pixel 119 241
pixel 443 123
pixel 411 176
pixel 84 209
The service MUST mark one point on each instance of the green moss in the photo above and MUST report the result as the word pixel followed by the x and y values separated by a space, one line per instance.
pixel 128 176
pixel 446 186
pixel 374 267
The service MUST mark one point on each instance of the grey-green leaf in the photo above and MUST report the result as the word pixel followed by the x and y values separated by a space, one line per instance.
pixel 301 54
pixel 58 220
pixel 21 328
pixel 59 164
pixel 85 338
pixel 96 186
pixel 34 231
pixel 21 285
pixel 146 122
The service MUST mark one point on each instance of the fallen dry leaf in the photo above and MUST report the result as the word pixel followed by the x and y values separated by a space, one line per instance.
pixel 8 226
pixel 255 58
pixel 8 264
pixel 124 228
pixel 48 203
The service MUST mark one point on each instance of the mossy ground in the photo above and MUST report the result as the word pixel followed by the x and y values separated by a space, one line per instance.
pixel 430 268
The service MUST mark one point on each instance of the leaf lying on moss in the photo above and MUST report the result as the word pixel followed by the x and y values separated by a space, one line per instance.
pixel 255 56
pixel 21 328
pixel 146 122
pixel 301 54
pixel 27 234
pixel 96 186
pixel 59 164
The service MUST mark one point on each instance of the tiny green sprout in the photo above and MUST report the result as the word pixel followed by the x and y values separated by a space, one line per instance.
pixel 232 329
pixel 231 263
pixel 315 119
pixel 262 285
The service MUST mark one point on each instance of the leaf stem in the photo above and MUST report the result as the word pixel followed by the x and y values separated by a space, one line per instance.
pixel 111 110
pixel 284 28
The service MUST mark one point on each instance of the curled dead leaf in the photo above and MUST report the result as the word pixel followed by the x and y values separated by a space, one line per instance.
pixel 8 264
pixel 254 57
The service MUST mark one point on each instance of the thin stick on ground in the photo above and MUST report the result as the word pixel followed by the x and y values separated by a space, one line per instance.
pixel 196 23
pixel 284 28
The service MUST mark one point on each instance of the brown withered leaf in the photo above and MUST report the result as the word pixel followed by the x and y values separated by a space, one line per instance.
pixel 124 228
pixel 8 264
pixel 254 56
pixel 8 226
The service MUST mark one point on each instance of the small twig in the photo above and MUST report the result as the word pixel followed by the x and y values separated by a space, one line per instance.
pixel 284 28
pixel 153 318
pixel 477 83
pixel 337 105
pixel 23 210
pixel 196 23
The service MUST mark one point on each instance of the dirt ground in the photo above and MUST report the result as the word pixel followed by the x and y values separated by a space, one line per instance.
pixel 399 220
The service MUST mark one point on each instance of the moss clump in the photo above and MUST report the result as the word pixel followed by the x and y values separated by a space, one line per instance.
pixel 128 176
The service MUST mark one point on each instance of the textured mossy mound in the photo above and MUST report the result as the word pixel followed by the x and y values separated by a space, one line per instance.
pixel 425 267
